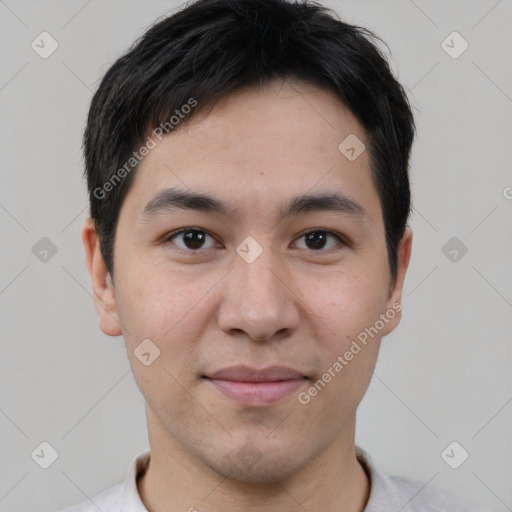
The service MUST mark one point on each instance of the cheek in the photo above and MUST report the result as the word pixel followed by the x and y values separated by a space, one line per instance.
pixel 350 347
pixel 350 307
pixel 156 306
pixel 163 310
pixel 345 304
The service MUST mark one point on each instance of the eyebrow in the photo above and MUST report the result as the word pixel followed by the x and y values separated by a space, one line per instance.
pixel 171 199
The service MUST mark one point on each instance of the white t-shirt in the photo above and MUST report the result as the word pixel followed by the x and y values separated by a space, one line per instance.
pixel 388 493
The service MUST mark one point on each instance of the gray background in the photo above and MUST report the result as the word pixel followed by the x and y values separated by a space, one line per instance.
pixel 444 375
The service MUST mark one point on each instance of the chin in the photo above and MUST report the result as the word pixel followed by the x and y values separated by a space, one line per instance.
pixel 261 473
pixel 251 466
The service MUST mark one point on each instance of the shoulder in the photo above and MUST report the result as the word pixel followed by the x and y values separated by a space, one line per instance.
pixel 393 493
pixel 108 500
pixel 121 497
pixel 425 497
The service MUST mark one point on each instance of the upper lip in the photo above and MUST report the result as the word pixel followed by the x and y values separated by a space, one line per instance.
pixel 249 374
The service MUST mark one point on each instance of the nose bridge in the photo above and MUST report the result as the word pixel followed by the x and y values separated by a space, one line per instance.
pixel 257 300
pixel 256 270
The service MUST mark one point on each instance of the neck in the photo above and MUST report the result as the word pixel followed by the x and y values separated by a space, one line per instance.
pixel 177 481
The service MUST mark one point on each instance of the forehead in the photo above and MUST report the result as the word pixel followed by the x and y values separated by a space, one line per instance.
pixel 257 146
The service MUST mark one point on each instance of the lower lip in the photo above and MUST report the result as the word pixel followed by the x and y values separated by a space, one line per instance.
pixel 258 393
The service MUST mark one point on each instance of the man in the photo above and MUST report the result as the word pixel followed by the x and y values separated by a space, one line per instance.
pixel 247 168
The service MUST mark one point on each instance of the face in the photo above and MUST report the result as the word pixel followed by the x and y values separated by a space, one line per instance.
pixel 250 299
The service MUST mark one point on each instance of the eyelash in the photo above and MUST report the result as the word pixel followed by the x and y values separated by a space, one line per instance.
pixel 341 240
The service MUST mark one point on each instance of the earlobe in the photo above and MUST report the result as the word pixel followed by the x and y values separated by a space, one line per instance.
pixel 103 288
pixel 395 293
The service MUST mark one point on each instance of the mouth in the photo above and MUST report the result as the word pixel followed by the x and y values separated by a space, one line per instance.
pixel 256 387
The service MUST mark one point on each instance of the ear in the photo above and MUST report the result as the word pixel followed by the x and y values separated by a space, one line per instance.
pixel 394 303
pixel 103 288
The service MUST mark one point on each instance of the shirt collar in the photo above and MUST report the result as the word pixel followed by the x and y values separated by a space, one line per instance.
pixel 130 498
pixel 384 494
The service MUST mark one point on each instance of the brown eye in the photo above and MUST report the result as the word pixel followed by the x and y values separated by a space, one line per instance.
pixel 317 239
pixel 190 239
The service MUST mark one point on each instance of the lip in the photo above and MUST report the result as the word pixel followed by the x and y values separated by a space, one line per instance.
pixel 248 374
pixel 252 386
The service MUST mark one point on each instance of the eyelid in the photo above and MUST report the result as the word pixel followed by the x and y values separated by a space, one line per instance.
pixel 167 238
pixel 343 241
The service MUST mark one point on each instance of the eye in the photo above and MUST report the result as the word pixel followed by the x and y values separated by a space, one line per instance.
pixel 317 239
pixel 192 239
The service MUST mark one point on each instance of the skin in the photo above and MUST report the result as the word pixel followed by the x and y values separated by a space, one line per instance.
pixel 210 309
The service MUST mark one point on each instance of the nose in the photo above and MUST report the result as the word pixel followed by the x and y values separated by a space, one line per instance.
pixel 259 299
